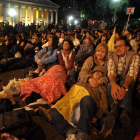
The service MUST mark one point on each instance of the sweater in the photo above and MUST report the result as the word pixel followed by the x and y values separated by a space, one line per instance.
pixel 85 72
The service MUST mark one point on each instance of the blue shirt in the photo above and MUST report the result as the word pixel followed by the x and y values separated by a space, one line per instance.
pixel 51 59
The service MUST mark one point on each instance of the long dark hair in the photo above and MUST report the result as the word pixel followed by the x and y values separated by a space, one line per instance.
pixel 70 43
pixel 54 44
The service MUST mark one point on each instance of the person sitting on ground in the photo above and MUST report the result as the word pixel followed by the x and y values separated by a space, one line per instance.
pixel 76 43
pixel 66 56
pixel 123 66
pixel 46 56
pixel 85 50
pixel 82 37
pixel 99 58
pixel 46 44
pixel 33 46
pixel 51 85
pixel 4 51
pixel 61 38
pixel 133 42
pixel 7 42
pixel 16 45
pixel 91 101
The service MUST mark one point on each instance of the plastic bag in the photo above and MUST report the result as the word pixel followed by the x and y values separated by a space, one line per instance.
pixel 18 55
pixel 13 87
pixel 5 94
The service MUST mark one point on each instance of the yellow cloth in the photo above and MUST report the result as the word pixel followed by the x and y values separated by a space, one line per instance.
pixel 66 105
pixel 111 42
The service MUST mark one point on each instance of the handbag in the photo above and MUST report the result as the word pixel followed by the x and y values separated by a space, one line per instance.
pixel 17 123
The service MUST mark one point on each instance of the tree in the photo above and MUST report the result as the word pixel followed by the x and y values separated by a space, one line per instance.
pixel 85 7
pixel 99 9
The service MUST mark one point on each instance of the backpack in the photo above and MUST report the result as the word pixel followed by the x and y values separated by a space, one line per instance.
pixel 17 123
pixel 5 105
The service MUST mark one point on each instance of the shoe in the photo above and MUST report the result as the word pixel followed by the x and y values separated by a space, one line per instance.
pixel 42 72
pixel 44 113
pixel 30 110
pixel 71 131
pixel 82 136
pixel 107 126
pixel 125 119
pixel 36 71
pixel 39 102
pixel 71 137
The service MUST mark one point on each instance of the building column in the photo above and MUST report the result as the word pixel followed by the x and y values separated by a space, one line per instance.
pixel 26 14
pixel 32 15
pixel 19 13
pixel 56 17
pixel 42 15
pixel 51 16
pixel 37 12
pixel 47 17
pixel 4 12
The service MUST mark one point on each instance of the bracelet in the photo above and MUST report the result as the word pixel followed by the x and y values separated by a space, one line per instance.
pixel 112 80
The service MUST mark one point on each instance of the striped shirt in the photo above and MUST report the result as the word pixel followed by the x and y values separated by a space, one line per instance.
pixel 133 68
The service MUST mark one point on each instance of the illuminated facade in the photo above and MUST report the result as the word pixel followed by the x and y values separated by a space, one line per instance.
pixel 29 11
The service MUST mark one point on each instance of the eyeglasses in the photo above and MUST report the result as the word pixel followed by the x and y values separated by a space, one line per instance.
pixel 120 46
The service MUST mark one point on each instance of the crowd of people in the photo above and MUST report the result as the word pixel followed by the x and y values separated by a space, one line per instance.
pixel 76 71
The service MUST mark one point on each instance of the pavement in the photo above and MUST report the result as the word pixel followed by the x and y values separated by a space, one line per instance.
pixel 46 131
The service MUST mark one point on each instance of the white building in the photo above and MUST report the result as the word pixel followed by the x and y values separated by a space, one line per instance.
pixel 29 11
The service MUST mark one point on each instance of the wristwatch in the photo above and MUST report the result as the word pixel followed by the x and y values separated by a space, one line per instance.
pixel 126 89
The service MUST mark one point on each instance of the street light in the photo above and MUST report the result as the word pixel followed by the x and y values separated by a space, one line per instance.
pixel 12 12
pixel 76 22
pixel 71 18
pixel 115 10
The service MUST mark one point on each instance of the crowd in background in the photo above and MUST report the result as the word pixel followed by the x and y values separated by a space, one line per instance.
pixel 68 55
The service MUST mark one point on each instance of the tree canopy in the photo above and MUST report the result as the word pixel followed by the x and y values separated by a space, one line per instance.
pixel 105 8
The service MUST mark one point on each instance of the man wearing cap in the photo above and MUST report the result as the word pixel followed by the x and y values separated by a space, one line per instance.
pixel 85 49
pixel 123 66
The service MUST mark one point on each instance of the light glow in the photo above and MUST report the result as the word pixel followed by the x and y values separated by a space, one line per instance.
pixel 76 22
pixel 71 18
pixel 12 12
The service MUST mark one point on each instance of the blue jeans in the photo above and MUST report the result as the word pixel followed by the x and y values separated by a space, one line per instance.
pixel 88 109
pixel 125 103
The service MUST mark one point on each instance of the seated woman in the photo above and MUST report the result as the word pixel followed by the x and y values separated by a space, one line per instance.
pixel 99 58
pixel 66 56
pixel 46 56
pixel 92 101
pixel 51 85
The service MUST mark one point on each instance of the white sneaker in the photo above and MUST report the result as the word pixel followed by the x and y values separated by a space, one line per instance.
pixel 28 108
pixel 42 72
pixel 39 102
